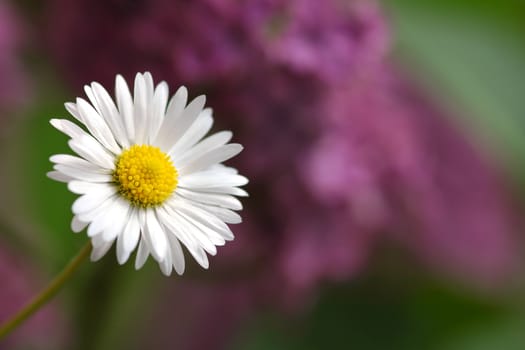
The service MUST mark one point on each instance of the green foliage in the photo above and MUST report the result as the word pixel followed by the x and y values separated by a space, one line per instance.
pixel 40 205
pixel 373 315
pixel 471 55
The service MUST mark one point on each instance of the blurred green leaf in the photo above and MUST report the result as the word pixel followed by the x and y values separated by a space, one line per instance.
pixel 471 54
pixel 44 204
pixel 118 304
pixel 507 334
pixel 376 316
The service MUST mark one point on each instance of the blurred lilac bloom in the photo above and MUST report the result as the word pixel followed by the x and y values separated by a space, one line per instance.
pixel 210 41
pixel 330 40
pixel 343 152
pixel 393 159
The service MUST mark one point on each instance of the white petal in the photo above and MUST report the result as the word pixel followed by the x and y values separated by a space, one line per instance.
pixel 122 254
pixel 109 112
pixel 58 176
pixel 77 162
pixel 148 81
pixel 142 255
pixel 214 156
pixel 173 128
pixel 157 110
pixel 97 126
pixel 105 220
pixel 193 231
pixel 67 127
pixel 156 236
pixel 211 142
pixel 201 258
pixel 132 235
pixel 83 175
pixel 77 225
pixel 202 216
pixel 195 133
pixel 140 105
pixel 166 265
pixel 92 151
pixel 125 105
pixel 100 250
pixel 73 110
pixel 98 224
pixel 175 108
pixel 223 169
pixel 97 241
pixel 128 240
pixel 220 200
pixel 91 97
pixel 93 199
pixel 80 165
pixel 177 103
pixel 177 256
pixel 234 191
pixel 120 214
pixel 82 187
pixel 211 179
pixel 200 229
pixel 102 208
pixel 177 229
pixel 224 214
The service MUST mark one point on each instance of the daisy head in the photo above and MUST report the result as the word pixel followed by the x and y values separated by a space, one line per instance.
pixel 146 175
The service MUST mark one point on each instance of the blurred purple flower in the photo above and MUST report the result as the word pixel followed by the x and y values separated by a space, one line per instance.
pixel 202 42
pixel 342 152
pixel 392 158
pixel 13 82
pixel 330 40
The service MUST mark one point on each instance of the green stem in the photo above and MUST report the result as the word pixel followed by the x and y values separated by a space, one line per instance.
pixel 52 288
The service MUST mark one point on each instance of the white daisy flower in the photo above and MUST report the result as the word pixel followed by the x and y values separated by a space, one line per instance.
pixel 146 176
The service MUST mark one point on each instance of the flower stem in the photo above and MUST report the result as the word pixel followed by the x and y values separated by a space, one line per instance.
pixel 47 293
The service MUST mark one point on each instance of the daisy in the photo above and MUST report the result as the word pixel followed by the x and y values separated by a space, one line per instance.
pixel 145 175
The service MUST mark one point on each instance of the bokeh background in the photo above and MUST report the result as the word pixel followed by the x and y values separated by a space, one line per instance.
pixel 384 141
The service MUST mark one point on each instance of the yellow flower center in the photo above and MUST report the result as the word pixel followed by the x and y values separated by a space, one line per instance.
pixel 145 175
